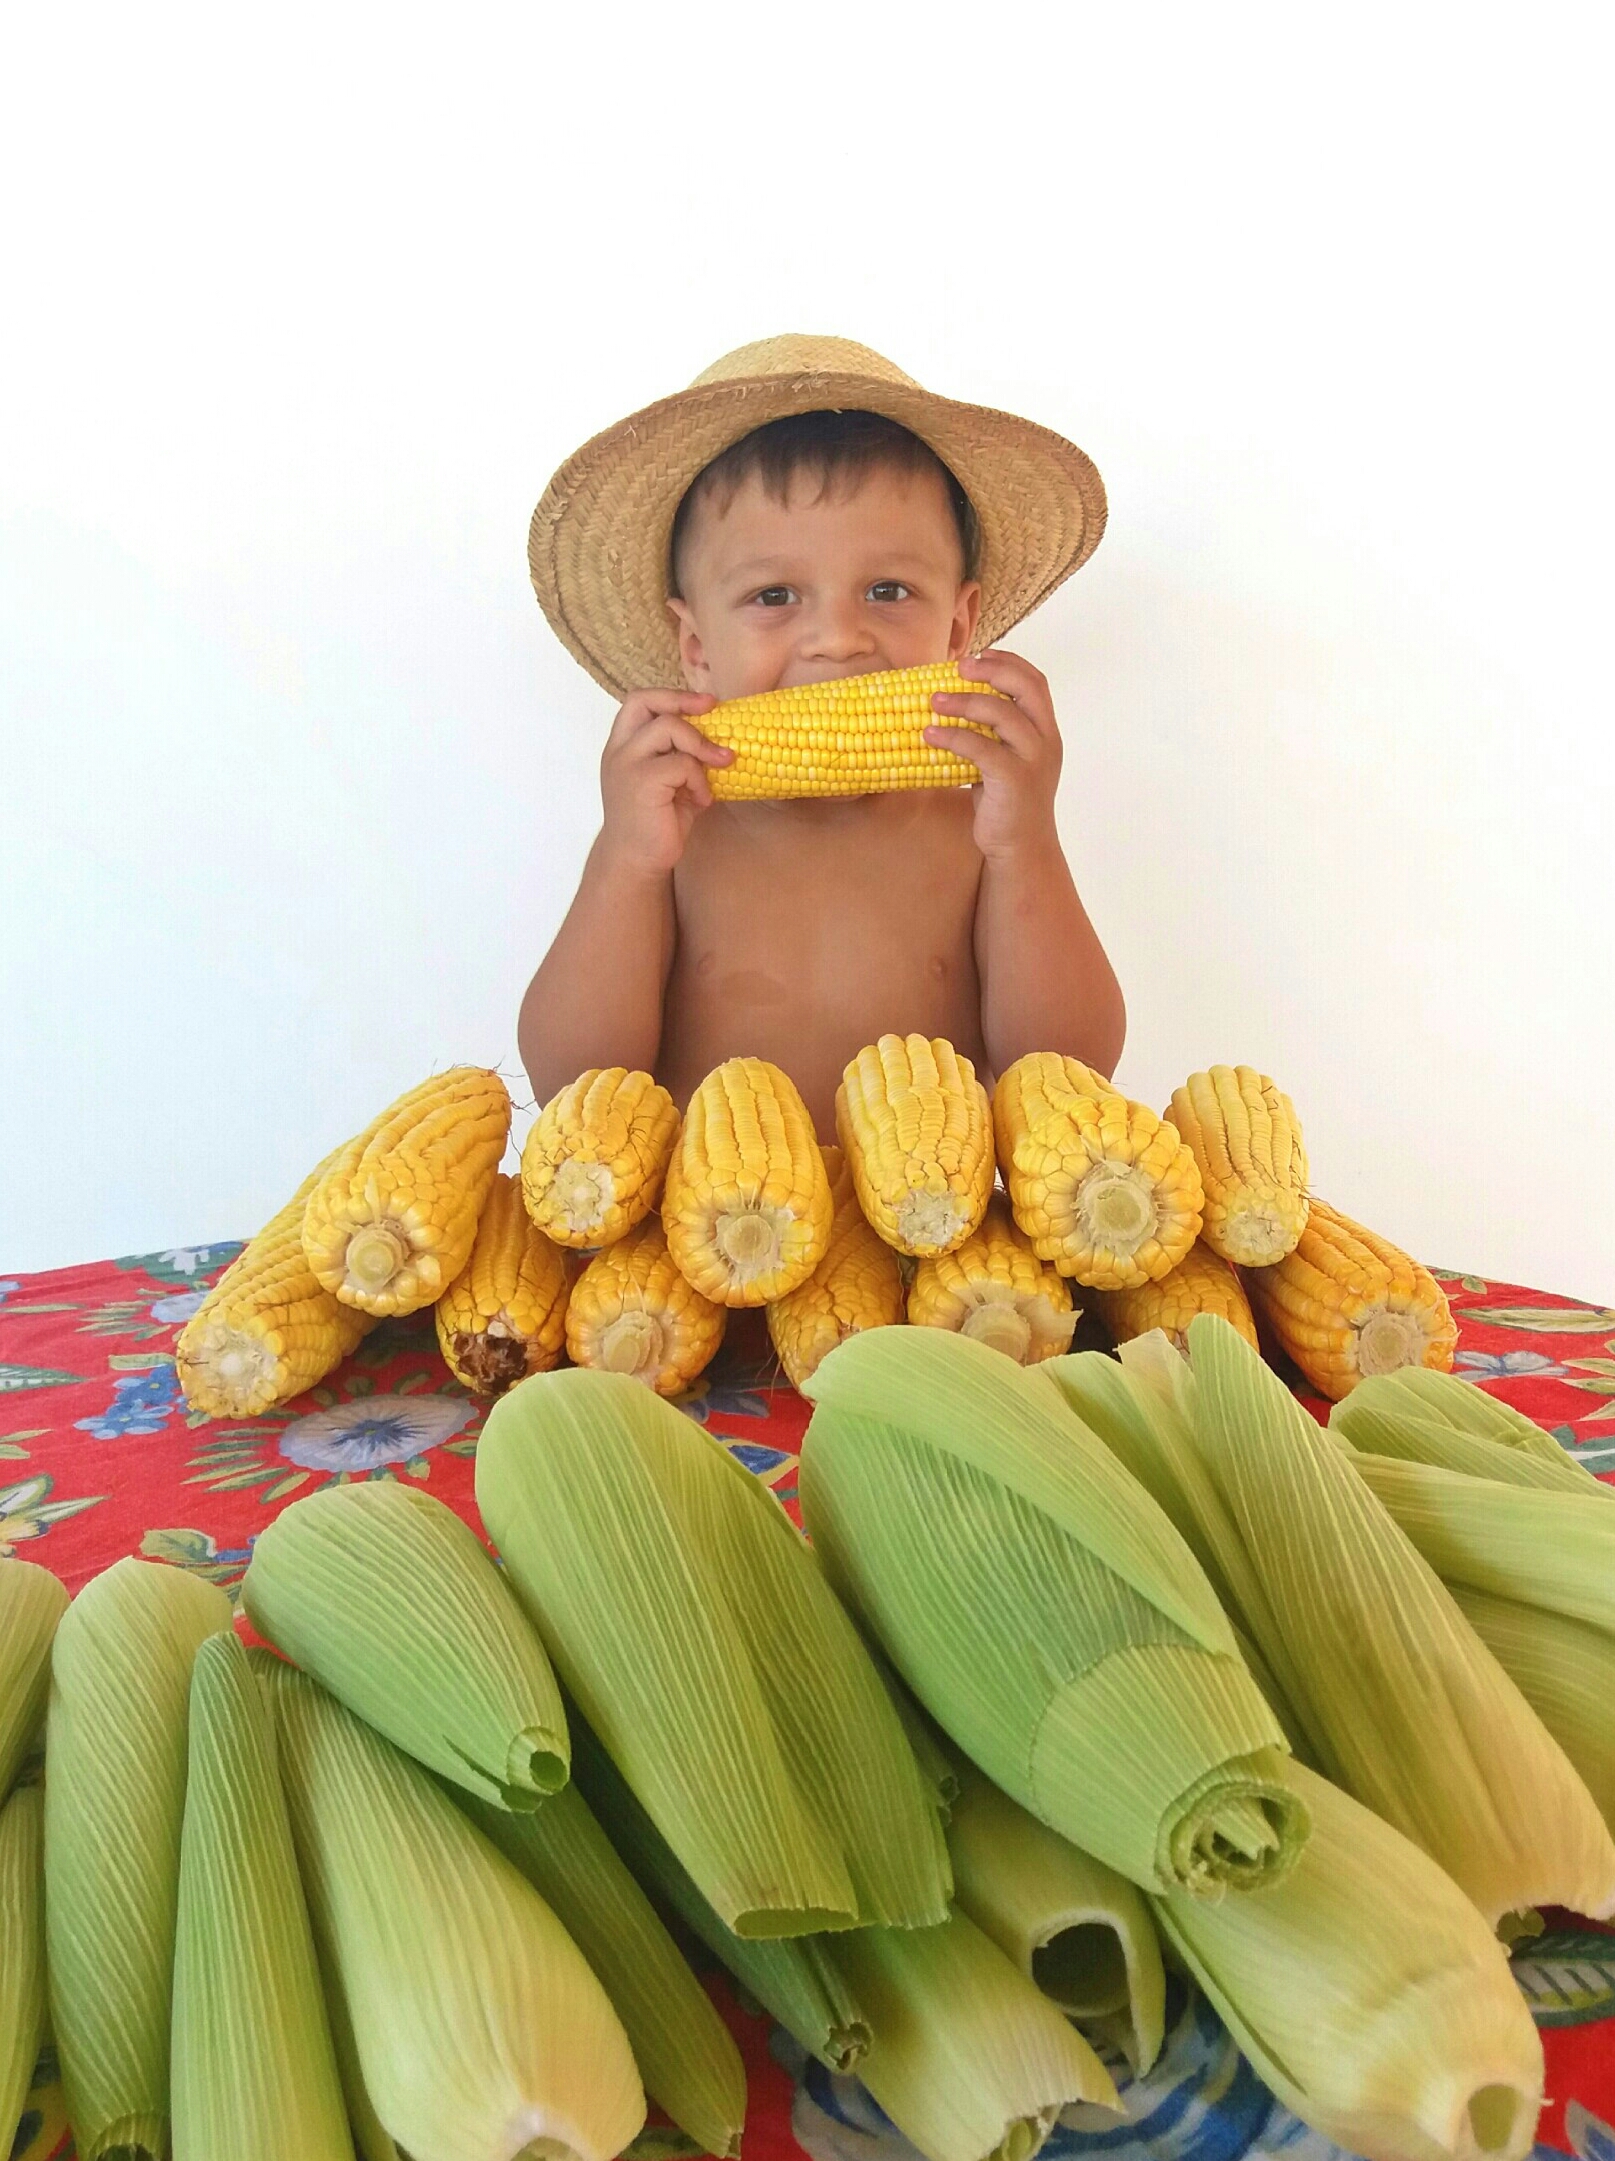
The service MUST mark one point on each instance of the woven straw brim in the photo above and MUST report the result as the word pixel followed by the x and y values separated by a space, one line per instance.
pixel 598 545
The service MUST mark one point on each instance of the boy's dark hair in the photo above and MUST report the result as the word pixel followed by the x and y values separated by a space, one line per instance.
pixel 832 446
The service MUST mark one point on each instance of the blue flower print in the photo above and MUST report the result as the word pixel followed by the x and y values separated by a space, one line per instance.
pixel 757 1459
pixel 1505 1366
pixel 702 1403
pixel 376 1430
pixel 1591 2139
pixel 180 1306
pixel 8 1284
pixel 141 1403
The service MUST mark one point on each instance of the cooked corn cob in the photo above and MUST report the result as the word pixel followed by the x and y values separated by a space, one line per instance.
pixel 1200 1283
pixel 996 1289
pixel 594 1161
pixel 632 1312
pixel 504 1315
pixel 863 735
pixel 747 1207
pixel 1346 1304
pixel 391 1222
pixel 1104 1189
pixel 917 1130
pixel 267 1330
pixel 858 1284
pixel 1247 1143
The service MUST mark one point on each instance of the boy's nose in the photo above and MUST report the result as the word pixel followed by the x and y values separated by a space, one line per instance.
pixel 837 635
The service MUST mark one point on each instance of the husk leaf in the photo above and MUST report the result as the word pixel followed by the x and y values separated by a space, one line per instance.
pixel 22 1951
pixel 32 1602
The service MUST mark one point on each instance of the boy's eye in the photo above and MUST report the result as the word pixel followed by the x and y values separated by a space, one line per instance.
pixel 888 589
pixel 776 596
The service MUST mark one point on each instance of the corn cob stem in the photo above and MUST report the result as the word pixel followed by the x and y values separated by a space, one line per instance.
pixel 1002 1328
pixel 633 1343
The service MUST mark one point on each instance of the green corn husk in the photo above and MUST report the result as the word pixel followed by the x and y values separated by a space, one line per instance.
pixel 967 2057
pixel 1044 1610
pixel 1369 1995
pixel 789 1976
pixel 1403 1704
pixel 32 1601
pixel 1388 1431
pixel 1082 1933
pixel 114 1805
pixel 1462 1405
pixel 1554 1550
pixel 694 1628
pixel 253 2076
pixel 686 2054
pixel 22 1951
pixel 1566 1673
pixel 393 1604
pixel 479 2030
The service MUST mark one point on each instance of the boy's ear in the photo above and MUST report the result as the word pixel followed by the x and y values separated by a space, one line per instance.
pixel 966 614
pixel 692 654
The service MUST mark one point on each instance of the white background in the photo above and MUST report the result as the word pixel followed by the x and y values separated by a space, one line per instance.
pixel 302 306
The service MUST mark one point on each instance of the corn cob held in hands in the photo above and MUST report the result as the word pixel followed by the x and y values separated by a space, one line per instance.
pixel 996 1289
pixel 858 1284
pixel 863 735
pixel 391 1221
pixel 268 1329
pixel 594 1161
pixel 746 1206
pixel 1200 1283
pixel 632 1312
pixel 916 1127
pixel 504 1315
pixel 1104 1189
pixel 1346 1304
pixel 1247 1143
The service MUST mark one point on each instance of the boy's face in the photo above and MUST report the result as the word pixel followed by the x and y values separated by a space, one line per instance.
pixel 861 577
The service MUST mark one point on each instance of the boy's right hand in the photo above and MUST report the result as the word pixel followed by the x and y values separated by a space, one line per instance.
pixel 653 777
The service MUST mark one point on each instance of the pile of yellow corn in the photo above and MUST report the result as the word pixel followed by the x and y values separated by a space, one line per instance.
pixel 634 1227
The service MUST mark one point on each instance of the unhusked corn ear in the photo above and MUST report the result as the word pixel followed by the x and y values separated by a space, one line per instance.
pixel 32 1601
pixel 632 1312
pixel 747 1205
pixel 1104 1189
pixel 268 1329
pixel 504 1315
pixel 391 1222
pixel 858 1284
pixel 916 1127
pixel 596 1155
pixel 22 1961
pixel 996 1289
pixel 1346 1304
pixel 1200 1283
pixel 1247 1143
pixel 863 735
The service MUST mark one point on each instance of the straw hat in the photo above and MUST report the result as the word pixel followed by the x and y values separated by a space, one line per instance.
pixel 599 540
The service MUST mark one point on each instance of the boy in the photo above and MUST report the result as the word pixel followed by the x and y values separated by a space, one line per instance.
pixel 804 511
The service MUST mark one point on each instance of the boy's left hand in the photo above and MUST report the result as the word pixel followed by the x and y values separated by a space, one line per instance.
pixel 1015 802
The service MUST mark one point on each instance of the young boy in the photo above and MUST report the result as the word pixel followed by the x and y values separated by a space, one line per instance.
pixel 804 511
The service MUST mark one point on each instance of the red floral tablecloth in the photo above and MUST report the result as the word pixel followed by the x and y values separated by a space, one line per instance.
pixel 99 1458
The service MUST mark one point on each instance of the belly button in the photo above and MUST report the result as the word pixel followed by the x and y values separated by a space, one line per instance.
pixel 706 964
pixel 939 966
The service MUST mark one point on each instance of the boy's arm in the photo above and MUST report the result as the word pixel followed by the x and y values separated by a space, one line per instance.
pixel 597 997
pixel 1045 981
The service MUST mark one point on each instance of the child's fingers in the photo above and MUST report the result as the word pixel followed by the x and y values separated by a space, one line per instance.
pixel 644 708
pixel 663 733
pixel 1012 726
pixel 1017 678
pixel 991 758
pixel 681 772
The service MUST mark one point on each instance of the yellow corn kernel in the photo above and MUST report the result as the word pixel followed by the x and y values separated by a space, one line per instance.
pixel 1347 1304
pixel 1202 1282
pixel 390 1224
pixel 1104 1189
pixel 632 1312
pixel 994 1287
pixel 267 1330
pixel 916 1127
pixel 863 735
pixel 504 1315
pixel 1247 1143
pixel 596 1155
pixel 857 1285
pixel 746 1206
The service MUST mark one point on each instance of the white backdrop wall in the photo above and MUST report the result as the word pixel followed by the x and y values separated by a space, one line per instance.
pixel 302 311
